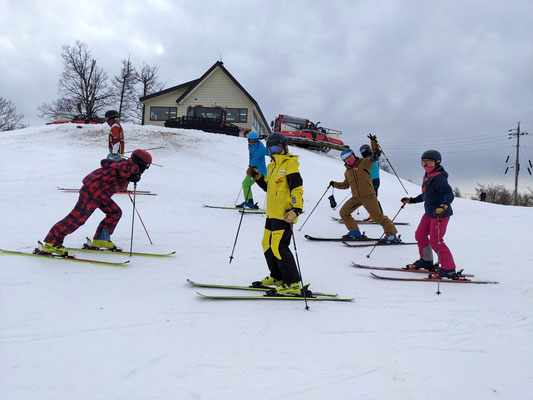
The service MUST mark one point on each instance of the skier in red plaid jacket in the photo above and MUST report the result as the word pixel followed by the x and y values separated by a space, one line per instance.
pixel 96 192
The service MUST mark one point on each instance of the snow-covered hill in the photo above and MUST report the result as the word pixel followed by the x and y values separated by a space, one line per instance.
pixel 74 331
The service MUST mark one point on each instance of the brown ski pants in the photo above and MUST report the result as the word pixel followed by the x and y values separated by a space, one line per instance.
pixel 370 203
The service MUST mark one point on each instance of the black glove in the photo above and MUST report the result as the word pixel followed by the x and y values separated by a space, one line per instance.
pixel 134 178
pixel 407 200
pixel 332 201
pixel 331 183
pixel 372 137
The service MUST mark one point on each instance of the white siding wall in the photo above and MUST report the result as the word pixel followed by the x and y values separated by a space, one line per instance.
pixel 166 100
pixel 216 90
pixel 219 90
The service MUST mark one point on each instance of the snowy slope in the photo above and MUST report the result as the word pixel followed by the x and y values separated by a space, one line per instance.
pixel 74 331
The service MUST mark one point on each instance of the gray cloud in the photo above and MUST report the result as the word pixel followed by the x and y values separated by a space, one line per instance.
pixel 418 74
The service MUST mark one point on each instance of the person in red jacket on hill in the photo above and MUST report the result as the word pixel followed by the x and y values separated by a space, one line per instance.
pixel 116 136
pixel 96 192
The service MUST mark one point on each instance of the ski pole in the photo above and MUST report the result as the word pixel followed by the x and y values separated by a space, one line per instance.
pixel 299 269
pixel 393 170
pixel 438 255
pixel 239 228
pixel 152 148
pixel 140 219
pixel 157 165
pixel 133 218
pixel 338 205
pixel 237 199
pixel 311 213
pixel 383 234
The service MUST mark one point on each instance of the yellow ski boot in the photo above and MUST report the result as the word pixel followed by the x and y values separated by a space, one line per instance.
pixel 52 249
pixel 103 244
pixel 293 289
pixel 268 281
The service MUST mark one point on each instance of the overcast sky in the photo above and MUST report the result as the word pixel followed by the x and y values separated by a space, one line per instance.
pixel 453 75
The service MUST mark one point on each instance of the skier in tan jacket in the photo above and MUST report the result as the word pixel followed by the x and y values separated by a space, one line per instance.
pixel 357 178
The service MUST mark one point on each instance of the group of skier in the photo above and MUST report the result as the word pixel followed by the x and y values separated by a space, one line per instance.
pixel 284 203
pixel 283 185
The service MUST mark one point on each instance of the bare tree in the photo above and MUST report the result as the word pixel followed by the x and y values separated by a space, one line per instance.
pixel 124 90
pixel 497 194
pixel 82 85
pixel 9 118
pixel 457 192
pixel 148 83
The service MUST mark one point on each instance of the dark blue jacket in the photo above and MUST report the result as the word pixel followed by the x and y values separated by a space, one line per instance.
pixel 436 191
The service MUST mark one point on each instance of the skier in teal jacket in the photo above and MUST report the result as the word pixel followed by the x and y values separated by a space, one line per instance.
pixel 257 152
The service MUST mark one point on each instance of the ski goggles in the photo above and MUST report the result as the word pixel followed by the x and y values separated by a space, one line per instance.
pixel 253 141
pixel 275 149
pixel 428 163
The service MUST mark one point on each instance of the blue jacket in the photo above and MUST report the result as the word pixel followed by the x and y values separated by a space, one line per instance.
pixel 436 191
pixel 258 151
pixel 374 171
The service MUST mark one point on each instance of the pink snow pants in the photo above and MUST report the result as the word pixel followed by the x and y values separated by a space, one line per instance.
pixel 427 234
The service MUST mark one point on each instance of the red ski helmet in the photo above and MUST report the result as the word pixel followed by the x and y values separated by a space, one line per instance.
pixel 142 158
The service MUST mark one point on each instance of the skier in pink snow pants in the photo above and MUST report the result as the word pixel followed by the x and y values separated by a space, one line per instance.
pixel 437 196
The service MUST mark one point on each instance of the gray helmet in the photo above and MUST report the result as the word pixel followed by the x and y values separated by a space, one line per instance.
pixel 432 155
pixel 111 114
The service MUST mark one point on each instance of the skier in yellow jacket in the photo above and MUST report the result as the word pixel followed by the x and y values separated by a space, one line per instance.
pixel 357 177
pixel 284 204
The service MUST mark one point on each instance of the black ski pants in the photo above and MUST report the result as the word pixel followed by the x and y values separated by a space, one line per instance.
pixel 279 258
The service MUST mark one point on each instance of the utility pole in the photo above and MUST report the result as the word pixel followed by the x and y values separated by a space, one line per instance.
pixel 517 163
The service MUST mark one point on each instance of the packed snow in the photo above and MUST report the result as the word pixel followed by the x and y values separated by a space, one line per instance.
pixel 82 331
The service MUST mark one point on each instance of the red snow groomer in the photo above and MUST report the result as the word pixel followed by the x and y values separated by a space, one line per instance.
pixel 79 119
pixel 304 133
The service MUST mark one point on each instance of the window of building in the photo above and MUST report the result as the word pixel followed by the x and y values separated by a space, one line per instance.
pixel 237 115
pixel 256 124
pixel 162 113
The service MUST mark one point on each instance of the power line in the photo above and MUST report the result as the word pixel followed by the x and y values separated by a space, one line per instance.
pixel 447 140
pixel 454 152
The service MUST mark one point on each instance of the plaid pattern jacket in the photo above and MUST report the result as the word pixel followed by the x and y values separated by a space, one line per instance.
pixel 111 178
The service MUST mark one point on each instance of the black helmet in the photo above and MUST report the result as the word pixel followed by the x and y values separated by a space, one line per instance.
pixel 365 150
pixel 111 114
pixel 432 155
pixel 277 138
pixel 276 143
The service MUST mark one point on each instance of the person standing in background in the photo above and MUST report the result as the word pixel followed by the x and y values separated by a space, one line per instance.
pixel 256 152
pixel 116 136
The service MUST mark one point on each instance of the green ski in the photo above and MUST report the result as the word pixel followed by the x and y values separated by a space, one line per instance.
pixel 67 258
pixel 273 298
pixel 246 210
pixel 261 289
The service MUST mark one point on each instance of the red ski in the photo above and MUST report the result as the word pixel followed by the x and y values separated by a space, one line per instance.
pixel 463 280
pixel 404 269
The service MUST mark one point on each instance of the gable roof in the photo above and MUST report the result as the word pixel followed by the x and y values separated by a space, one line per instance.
pixel 165 91
pixel 192 85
